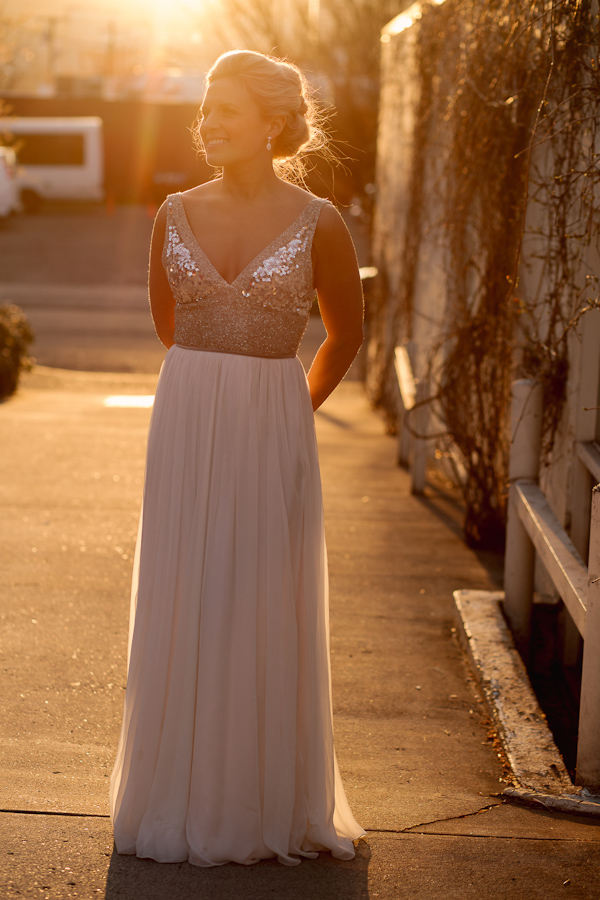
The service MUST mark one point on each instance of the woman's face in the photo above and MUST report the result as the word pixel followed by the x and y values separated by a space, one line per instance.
pixel 232 126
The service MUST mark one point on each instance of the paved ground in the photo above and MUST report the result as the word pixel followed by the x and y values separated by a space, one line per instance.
pixel 421 771
pixel 420 765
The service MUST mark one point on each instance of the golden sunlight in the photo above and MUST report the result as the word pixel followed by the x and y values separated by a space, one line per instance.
pixel 129 401
pixel 136 48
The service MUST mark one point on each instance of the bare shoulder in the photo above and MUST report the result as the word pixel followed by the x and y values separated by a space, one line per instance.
pixel 295 193
pixel 331 231
pixel 330 222
pixel 206 191
pixel 290 199
pixel 334 256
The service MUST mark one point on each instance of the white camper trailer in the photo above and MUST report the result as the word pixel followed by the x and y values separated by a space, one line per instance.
pixel 60 158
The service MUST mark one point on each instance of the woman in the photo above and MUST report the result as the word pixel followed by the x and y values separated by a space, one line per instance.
pixel 226 751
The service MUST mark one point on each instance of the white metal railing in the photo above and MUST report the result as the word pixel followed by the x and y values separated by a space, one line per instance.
pixel 589 455
pixel 412 439
pixel 532 526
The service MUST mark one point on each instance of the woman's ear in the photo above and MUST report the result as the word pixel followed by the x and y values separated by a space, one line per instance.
pixel 277 125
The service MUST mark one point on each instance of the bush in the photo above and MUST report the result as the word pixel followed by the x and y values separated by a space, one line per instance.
pixel 15 337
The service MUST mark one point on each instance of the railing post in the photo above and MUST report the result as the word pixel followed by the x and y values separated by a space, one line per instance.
pixel 526 435
pixel 588 745
pixel 406 400
pixel 403 443
pixel 420 424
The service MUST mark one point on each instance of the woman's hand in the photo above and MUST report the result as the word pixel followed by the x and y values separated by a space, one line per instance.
pixel 162 302
pixel 337 281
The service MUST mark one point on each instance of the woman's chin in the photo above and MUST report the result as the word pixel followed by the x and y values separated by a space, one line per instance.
pixel 215 156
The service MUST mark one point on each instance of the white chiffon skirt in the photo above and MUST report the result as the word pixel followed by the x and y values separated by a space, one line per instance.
pixel 226 750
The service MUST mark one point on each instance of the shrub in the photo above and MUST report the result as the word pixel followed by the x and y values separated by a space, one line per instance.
pixel 15 337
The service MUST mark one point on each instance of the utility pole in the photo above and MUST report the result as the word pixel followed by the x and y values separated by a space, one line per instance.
pixel 49 38
pixel 314 16
pixel 111 47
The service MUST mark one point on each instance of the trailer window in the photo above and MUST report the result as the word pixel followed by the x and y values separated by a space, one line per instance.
pixel 51 149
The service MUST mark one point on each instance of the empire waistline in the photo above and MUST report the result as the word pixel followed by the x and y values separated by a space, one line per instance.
pixel 233 352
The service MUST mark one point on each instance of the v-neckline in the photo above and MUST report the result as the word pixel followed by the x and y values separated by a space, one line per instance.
pixel 233 283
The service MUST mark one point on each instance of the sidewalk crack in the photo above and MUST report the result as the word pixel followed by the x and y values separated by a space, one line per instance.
pixel 468 815
pixel 54 812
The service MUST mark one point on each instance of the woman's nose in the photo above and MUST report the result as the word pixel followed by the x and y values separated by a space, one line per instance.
pixel 209 120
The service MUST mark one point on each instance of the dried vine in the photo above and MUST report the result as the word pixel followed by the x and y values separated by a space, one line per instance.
pixel 510 100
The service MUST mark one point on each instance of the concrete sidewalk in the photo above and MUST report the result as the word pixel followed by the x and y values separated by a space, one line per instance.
pixel 420 765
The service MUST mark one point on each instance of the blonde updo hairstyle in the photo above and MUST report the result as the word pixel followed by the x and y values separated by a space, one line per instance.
pixel 278 88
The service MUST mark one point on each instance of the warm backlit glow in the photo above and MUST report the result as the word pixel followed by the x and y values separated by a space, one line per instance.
pixel 130 401
pixel 160 15
pixel 116 49
pixel 405 20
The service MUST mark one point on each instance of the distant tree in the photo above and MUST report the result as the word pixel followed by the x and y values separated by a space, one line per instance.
pixel 14 53
pixel 348 52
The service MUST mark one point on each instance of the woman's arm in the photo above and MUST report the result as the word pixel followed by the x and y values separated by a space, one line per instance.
pixel 339 291
pixel 162 302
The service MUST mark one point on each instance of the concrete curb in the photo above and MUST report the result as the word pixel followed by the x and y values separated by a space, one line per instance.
pixel 537 767
pixel 578 804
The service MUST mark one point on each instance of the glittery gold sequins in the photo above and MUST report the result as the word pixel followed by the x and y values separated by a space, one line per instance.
pixel 266 309
pixel 279 263
pixel 178 252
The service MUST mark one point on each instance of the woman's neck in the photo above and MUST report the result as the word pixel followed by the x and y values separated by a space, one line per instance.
pixel 249 182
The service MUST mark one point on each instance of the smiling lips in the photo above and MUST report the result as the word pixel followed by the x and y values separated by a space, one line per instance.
pixel 216 142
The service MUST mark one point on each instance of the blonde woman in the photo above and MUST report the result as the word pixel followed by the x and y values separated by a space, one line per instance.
pixel 226 751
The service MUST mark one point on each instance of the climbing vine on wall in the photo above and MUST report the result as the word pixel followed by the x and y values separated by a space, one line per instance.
pixel 510 103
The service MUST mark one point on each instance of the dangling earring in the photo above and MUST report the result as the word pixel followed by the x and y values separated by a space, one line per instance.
pixel 269 142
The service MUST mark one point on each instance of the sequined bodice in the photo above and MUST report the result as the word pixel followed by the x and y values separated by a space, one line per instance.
pixel 264 312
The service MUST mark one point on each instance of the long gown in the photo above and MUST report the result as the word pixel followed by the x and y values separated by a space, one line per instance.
pixel 226 750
